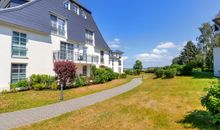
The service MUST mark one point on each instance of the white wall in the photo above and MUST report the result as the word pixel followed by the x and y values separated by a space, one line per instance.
pixel 39 55
pixel 217 61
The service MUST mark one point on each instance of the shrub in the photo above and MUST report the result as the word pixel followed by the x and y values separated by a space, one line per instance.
pixel 100 76
pixel 212 102
pixel 187 70
pixel 129 72
pixel 54 86
pixel 4 92
pixel 80 81
pixel 179 69
pixel 159 73
pixel 42 79
pixel 40 86
pixel 116 75
pixel 150 70
pixel 20 84
pixel 123 76
pixel 66 71
pixel 170 73
pixel 110 74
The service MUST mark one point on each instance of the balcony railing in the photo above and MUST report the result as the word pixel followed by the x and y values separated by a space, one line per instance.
pixel 76 57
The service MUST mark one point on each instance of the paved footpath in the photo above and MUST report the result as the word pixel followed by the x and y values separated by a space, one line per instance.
pixel 29 116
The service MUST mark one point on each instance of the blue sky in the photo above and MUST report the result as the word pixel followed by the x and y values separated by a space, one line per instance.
pixel 153 31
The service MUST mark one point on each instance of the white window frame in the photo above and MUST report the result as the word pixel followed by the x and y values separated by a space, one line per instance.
pixel 18 75
pixel 83 13
pixel 75 9
pixel 69 5
pixel 57 26
pixel 87 37
pixel 19 46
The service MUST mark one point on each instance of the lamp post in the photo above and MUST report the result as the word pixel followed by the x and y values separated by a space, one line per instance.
pixel 61 92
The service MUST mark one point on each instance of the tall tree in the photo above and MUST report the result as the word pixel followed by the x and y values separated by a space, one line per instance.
pixel 177 60
pixel 138 66
pixel 206 44
pixel 189 52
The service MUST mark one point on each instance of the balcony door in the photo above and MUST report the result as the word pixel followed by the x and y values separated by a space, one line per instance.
pixel 66 51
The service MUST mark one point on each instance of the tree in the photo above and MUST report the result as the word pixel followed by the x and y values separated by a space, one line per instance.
pixel 206 44
pixel 177 60
pixel 66 71
pixel 138 66
pixel 189 53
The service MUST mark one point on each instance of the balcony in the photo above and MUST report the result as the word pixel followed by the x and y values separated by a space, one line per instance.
pixel 75 57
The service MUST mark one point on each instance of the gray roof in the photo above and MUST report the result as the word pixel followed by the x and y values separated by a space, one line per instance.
pixel 36 15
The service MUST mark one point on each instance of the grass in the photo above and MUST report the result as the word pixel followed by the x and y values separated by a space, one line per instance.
pixel 30 99
pixel 157 104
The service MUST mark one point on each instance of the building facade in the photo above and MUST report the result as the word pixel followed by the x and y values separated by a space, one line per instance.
pixel 216 29
pixel 34 34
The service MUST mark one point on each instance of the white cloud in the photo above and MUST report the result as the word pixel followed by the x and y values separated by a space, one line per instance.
pixel 159 51
pixel 125 58
pixel 115 43
pixel 166 45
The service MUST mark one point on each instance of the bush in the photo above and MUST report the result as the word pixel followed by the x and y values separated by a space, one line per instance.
pixel 187 70
pixel 179 69
pixel 20 84
pixel 40 86
pixel 212 102
pixel 159 73
pixel 123 76
pixel 100 76
pixel 47 80
pixel 54 86
pixel 116 75
pixel 170 73
pixel 66 71
pixel 150 70
pixel 4 92
pixel 80 81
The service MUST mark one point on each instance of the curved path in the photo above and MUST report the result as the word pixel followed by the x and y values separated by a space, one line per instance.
pixel 29 116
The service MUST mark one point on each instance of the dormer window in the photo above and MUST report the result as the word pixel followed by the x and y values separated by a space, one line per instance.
pixel 90 37
pixel 58 26
pixel 66 5
pixel 83 13
pixel 76 9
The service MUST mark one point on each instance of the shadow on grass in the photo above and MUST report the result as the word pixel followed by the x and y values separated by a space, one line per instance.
pixel 198 119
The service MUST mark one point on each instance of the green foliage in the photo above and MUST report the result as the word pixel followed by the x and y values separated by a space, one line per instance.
pixel 40 86
pixel 159 72
pixel 212 102
pixel 46 80
pixel 4 92
pixel 179 69
pixel 80 81
pixel 20 84
pixel 150 70
pixel 138 66
pixel 177 60
pixel 189 52
pixel 93 69
pixel 54 86
pixel 187 70
pixel 123 76
pixel 170 73
pixel 103 75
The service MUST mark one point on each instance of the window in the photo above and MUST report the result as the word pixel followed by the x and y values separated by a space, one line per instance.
pixel 66 51
pixel 90 37
pixel 19 44
pixel 75 9
pixel 18 72
pixel 84 70
pixel 119 62
pixel 102 57
pixel 83 13
pixel 66 5
pixel 58 26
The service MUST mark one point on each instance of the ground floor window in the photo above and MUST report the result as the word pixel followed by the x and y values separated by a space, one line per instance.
pixel 84 70
pixel 18 72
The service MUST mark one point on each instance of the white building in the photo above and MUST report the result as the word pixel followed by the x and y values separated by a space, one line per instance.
pixel 37 33
pixel 217 61
pixel 216 29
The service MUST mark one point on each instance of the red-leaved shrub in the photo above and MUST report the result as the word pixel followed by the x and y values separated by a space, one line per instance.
pixel 66 71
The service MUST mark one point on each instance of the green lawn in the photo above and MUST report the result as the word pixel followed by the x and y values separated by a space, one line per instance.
pixel 30 99
pixel 157 104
